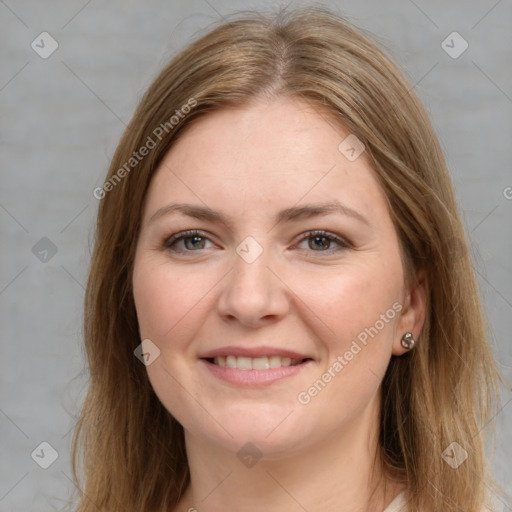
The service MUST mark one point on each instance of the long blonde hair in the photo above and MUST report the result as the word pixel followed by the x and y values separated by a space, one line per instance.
pixel 128 452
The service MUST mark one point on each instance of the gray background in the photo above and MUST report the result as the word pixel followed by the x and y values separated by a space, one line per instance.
pixel 61 118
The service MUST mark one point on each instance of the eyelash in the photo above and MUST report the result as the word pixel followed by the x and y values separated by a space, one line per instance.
pixel 183 235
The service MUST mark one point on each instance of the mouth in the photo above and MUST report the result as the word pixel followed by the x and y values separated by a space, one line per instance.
pixel 255 363
pixel 254 372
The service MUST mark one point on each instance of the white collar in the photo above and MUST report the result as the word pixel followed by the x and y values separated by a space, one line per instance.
pixel 398 504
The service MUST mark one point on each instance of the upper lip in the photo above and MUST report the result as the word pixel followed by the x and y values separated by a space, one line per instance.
pixel 262 351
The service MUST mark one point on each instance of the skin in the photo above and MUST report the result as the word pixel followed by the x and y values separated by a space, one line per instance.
pixel 312 296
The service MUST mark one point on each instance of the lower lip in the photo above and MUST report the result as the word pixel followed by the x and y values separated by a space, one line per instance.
pixel 254 377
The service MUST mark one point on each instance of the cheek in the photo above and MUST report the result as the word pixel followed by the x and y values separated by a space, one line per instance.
pixel 166 300
pixel 361 307
pixel 165 297
pixel 353 299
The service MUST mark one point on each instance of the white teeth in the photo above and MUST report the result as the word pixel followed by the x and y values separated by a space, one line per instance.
pixel 256 363
pixel 244 363
pixel 275 361
pixel 260 363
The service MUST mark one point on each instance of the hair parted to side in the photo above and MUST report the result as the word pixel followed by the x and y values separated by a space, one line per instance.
pixel 128 451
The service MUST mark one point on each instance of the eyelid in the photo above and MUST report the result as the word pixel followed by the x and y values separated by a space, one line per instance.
pixel 342 242
pixel 189 233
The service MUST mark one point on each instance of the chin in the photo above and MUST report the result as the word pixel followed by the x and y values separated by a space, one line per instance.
pixel 272 434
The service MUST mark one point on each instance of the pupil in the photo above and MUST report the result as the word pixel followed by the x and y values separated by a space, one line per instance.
pixel 317 238
pixel 195 238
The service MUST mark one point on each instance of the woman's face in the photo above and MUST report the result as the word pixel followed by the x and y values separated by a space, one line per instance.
pixel 293 259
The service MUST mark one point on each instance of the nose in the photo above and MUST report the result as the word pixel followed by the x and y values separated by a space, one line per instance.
pixel 253 293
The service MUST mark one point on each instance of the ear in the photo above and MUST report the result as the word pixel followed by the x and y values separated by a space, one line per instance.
pixel 412 316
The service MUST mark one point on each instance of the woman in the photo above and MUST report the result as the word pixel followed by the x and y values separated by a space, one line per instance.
pixel 281 312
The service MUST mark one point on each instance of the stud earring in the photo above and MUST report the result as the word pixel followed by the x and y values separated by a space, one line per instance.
pixel 407 341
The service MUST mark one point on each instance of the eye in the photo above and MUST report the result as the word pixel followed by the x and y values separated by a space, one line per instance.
pixel 193 240
pixel 321 241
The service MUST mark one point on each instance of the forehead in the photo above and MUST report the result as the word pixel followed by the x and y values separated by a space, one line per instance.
pixel 266 155
pixel 290 132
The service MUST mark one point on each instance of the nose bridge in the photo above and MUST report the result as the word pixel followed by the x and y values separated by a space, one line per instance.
pixel 251 277
pixel 251 291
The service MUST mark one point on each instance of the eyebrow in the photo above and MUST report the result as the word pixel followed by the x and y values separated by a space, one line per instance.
pixel 292 214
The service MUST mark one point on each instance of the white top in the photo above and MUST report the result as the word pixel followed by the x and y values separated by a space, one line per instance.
pixel 398 504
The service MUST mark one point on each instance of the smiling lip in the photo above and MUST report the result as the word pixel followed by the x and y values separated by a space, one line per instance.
pixel 252 352
pixel 254 377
